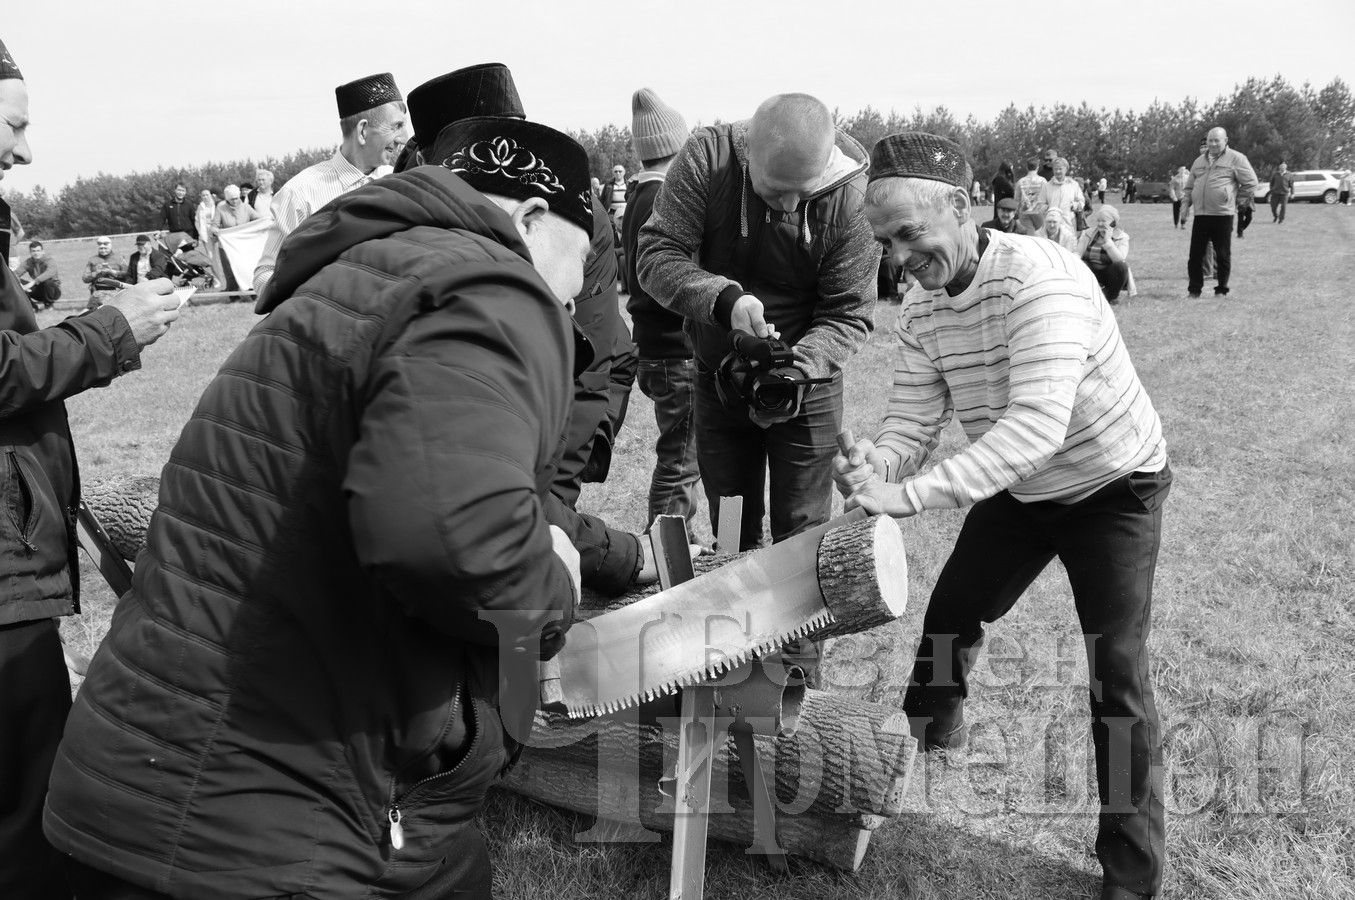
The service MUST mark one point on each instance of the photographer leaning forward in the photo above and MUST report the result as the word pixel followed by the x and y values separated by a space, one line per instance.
pixel 759 229
pixel 39 369
pixel 1066 459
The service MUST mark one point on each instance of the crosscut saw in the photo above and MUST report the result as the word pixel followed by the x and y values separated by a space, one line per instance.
pixel 700 629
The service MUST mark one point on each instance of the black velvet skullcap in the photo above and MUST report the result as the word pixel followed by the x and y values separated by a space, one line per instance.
pixel 8 67
pixel 519 159
pixel 917 154
pixel 366 93
pixel 486 89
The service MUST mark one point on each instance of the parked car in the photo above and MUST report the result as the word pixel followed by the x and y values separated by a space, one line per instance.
pixel 1152 192
pixel 1317 185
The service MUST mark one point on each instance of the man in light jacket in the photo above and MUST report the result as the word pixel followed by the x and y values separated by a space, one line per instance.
pixel 1217 177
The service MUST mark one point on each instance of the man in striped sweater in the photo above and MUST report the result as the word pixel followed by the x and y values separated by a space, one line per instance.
pixel 1066 459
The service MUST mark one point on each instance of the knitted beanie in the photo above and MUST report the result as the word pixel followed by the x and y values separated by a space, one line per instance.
pixel 656 129
pixel 917 154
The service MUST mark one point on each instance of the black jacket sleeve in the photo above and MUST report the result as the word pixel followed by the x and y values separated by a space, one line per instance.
pixel 444 500
pixel 61 361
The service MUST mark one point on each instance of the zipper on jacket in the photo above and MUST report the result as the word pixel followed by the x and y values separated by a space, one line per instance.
pixel 26 514
pixel 394 814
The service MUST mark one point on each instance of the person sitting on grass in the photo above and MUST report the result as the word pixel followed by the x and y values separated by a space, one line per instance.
pixel 39 278
pixel 1059 229
pixel 104 273
pixel 1104 247
pixel 1006 219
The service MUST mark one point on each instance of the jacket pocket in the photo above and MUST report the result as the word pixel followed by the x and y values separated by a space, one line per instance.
pixel 21 506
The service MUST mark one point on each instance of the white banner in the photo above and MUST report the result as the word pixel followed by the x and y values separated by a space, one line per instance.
pixel 243 245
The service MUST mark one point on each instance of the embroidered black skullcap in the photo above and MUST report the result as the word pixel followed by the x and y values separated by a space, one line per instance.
pixel 486 89
pixel 519 159
pixel 917 154
pixel 366 93
pixel 8 67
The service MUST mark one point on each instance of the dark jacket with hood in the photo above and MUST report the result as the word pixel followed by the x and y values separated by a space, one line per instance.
pixel 39 481
pixel 711 239
pixel 347 574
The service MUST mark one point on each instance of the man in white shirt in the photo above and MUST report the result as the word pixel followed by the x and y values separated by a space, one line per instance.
pixel 1028 193
pixel 372 120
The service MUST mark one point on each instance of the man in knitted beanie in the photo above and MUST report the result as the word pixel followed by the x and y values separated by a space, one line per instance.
pixel 667 372
pixel 1012 335
pixel 759 229
pixel 39 582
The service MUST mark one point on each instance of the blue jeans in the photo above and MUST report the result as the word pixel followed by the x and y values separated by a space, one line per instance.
pixel 736 455
pixel 1108 544
pixel 672 488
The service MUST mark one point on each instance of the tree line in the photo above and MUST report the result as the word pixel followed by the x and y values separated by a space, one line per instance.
pixel 1269 120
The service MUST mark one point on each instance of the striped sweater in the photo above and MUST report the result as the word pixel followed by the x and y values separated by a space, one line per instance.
pixel 1030 358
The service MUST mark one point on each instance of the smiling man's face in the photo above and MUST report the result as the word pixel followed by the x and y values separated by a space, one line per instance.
pixel 925 242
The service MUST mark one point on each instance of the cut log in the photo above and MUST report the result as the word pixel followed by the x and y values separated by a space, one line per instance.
pixel 841 774
pixel 123 506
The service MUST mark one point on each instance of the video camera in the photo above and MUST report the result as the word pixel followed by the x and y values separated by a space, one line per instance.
pixel 760 373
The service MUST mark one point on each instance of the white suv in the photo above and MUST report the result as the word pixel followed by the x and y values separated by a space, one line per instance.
pixel 1317 185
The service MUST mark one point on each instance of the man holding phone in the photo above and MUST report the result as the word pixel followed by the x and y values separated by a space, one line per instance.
pixel 1104 247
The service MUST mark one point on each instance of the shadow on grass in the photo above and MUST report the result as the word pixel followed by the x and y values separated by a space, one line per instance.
pixel 918 856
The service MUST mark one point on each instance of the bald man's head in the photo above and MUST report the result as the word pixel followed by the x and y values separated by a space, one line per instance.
pixel 1217 139
pixel 790 140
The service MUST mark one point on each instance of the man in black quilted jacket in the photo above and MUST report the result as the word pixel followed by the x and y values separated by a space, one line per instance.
pixel 332 637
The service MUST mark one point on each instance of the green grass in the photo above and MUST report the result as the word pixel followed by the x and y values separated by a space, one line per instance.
pixel 1253 623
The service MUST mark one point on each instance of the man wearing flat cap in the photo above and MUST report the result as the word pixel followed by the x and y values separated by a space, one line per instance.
pixel 1006 220
pixel 758 228
pixel 372 118
pixel 612 560
pixel 332 638
pixel 40 488
pixel 1066 459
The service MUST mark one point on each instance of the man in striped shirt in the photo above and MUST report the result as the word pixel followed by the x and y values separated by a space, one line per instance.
pixel 1066 459
pixel 372 116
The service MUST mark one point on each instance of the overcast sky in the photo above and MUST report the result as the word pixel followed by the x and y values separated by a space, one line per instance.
pixel 121 87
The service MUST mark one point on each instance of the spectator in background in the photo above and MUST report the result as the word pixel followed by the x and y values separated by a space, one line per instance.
pixel 1104 247
pixel 1062 192
pixel 1131 189
pixel 104 273
pixel 261 198
pixel 1058 227
pixel 595 186
pixel 179 212
pixel 1029 191
pixel 1003 184
pixel 1101 190
pixel 1046 170
pixel 1347 182
pixel 667 372
pixel 372 120
pixel 976 192
pixel 614 195
pixel 1006 219
pixel 230 212
pixel 1176 189
pixel 1217 178
pixel 149 261
pixel 1281 189
pixel 203 215
pixel 1245 204
pixel 39 278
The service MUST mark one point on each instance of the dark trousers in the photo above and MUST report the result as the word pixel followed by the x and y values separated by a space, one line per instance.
pixel 1278 204
pixel 45 293
pixel 35 697
pixel 1244 214
pixel 1112 276
pixel 1108 544
pixel 670 383
pixel 1176 213
pixel 735 457
pixel 1215 231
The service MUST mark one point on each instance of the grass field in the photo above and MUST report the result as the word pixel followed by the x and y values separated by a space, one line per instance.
pixel 1254 615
